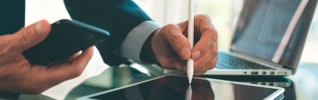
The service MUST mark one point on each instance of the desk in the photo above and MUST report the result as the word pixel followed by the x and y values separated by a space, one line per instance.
pixel 304 82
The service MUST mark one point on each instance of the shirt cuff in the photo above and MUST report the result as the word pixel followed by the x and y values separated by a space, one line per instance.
pixel 133 43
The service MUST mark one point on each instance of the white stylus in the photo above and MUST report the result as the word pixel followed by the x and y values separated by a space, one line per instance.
pixel 190 39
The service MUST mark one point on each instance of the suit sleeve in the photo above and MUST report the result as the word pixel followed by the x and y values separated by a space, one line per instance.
pixel 119 17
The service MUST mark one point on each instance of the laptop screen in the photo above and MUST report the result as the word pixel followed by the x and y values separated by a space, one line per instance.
pixel 262 26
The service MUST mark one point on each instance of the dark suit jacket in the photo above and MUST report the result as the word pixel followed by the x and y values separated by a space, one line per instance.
pixel 118 17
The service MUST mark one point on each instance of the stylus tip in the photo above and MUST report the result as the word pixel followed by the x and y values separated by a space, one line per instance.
pixel 190 80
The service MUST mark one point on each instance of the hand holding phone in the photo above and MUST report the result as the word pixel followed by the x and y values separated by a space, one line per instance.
pixel 65 38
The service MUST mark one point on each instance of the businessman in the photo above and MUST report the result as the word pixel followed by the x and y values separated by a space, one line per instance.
pixel 134 36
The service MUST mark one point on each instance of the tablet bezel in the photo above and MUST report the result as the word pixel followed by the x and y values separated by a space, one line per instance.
pixel 272 96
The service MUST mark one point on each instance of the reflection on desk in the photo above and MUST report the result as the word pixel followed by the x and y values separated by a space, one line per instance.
pixel 166 88
pixel 189 93
pixel 301 86
pixel 173 87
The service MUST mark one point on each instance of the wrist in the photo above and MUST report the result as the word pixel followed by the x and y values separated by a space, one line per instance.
pixel 147 53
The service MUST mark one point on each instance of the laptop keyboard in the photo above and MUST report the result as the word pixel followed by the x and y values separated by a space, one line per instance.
pixel 230 62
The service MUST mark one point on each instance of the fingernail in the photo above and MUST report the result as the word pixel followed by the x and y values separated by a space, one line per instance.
pixel 184 51
pixel 196 55
pixel 38 27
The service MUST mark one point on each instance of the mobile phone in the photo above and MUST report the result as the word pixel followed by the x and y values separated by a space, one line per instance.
pixel 65 39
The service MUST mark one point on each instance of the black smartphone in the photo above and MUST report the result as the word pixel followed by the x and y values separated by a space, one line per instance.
pixel 65 39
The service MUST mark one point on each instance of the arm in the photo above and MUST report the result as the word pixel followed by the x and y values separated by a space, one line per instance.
pixel 134 39
pixel 122 18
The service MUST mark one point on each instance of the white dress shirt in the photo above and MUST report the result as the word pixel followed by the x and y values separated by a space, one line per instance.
pixel 133 43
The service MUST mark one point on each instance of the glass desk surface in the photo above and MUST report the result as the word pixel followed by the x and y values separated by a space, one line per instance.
pixel 297 87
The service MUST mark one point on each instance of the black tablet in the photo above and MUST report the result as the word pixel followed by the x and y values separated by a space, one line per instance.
pixel 176 87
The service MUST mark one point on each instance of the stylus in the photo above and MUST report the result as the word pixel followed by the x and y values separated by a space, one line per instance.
pixel 190 39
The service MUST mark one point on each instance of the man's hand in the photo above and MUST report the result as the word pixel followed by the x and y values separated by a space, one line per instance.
pixel 171 48
pixel 18 75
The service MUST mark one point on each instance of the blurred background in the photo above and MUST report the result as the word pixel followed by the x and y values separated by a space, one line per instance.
pixel 223 13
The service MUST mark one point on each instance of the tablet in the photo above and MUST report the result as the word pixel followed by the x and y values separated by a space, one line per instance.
pixel 176 87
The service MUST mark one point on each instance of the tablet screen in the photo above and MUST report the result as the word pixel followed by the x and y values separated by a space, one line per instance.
pixel 177 88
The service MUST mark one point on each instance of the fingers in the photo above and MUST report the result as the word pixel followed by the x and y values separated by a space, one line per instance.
pixel 71 58
pixel 208 36
pixel 66 60
pixel 177 40
pixel 84 58
pixel 205 58
pixel 40 78
pixel 202 46
pixel 205 50
pixel 207 66
pixel 180 65
pixel 205 62
pixel 203 23
pixel 31 35
pixel 71 70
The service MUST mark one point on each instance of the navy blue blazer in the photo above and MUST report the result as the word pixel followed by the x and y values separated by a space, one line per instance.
pixel 118 17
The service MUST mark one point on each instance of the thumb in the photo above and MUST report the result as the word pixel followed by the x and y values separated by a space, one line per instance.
pixel 29 36
pixel 177 40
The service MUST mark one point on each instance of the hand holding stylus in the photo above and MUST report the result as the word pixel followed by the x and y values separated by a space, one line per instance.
pixel 171 48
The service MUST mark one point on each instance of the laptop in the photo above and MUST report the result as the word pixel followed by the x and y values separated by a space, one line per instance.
pixel 176 87
pixel 268 39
